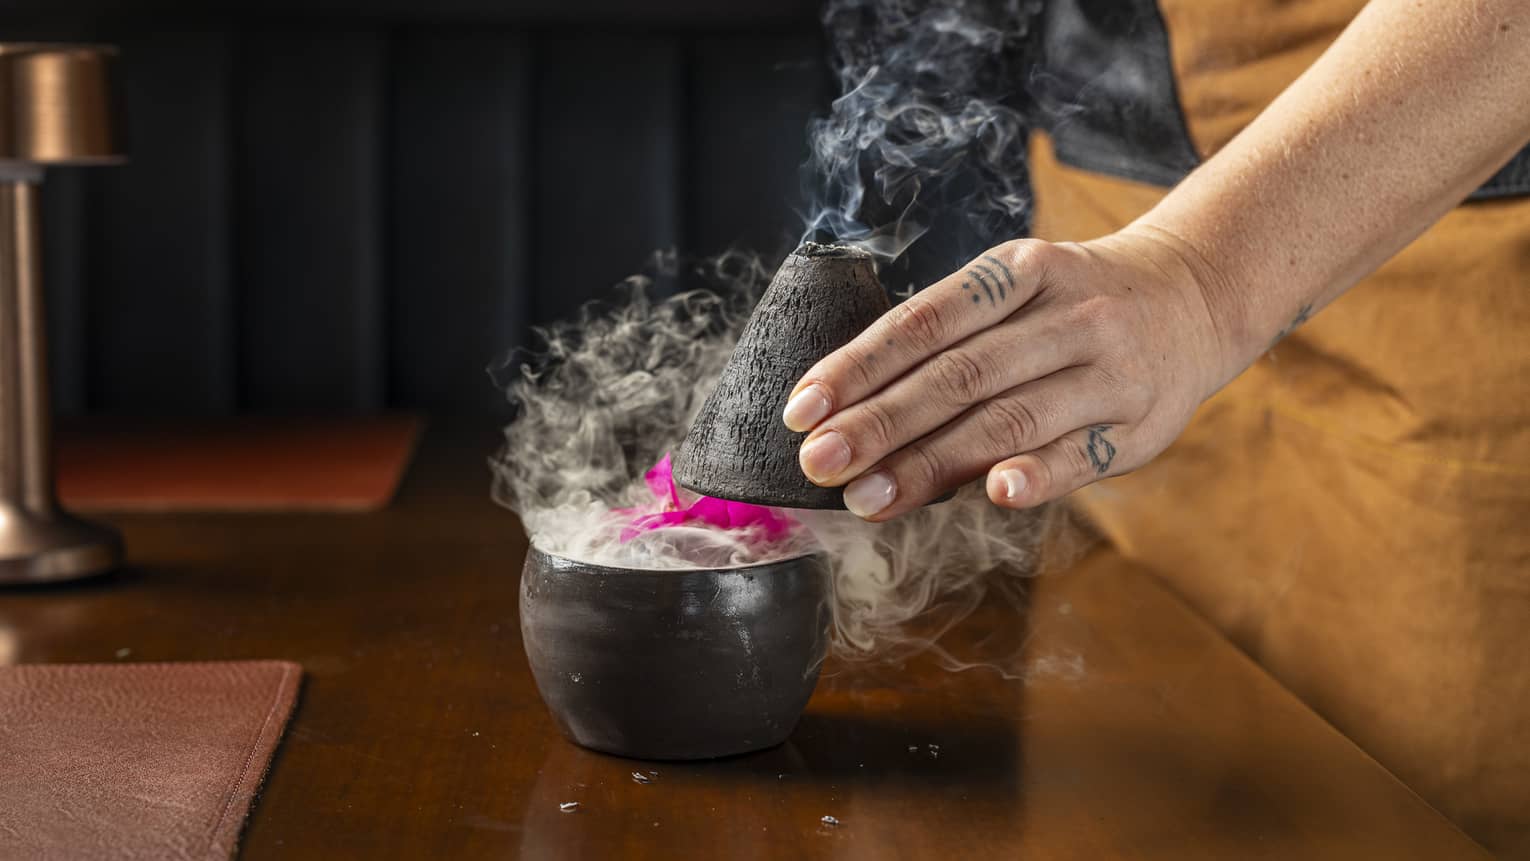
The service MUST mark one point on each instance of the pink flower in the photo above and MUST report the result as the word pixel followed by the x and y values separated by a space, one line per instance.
pixel 721 513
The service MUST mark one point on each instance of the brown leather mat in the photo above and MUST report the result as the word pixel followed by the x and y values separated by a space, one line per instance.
pixel 258 463
pixel 136 760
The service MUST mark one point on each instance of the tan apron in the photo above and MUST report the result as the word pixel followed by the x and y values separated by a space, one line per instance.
pixel 1354 510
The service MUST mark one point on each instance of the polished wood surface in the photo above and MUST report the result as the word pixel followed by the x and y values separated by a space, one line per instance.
pixel 1127 728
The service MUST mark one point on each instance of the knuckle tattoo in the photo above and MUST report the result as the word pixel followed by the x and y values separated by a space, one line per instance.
pixel 1099 450
pixel 995 266
pixel 988 277
pixel 989 288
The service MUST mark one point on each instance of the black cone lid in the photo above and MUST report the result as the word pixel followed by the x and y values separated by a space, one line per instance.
pixel 738 448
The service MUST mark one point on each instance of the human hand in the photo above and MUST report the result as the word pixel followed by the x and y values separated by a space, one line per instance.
pixel 1047 366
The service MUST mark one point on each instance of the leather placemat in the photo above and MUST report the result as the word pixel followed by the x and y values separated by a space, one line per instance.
pixel 136 760
pixel 238 464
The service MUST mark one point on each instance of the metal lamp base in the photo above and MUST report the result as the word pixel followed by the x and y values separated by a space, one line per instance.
pixel 52 548
pixel 56 107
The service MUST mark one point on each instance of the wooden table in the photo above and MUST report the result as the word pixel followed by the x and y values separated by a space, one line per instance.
pixel 1131 729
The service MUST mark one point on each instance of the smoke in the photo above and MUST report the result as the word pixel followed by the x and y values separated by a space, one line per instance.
pixel 925 144
pixel 899 586
pixel 929 130
pixel 607 395
pixel 612 391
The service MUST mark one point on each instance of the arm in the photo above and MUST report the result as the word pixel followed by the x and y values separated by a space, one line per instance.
pixel 1413 107
pixel 1049 366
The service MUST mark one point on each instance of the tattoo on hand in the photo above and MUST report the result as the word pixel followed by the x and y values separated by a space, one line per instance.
pixel 1101 452
pixel 986 283
pixel 987 291
pixel 1301 317
pixel 1002 268
pixel 987 275
pixel 979 271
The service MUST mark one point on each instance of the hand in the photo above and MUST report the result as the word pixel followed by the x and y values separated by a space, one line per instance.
pixel 1047 366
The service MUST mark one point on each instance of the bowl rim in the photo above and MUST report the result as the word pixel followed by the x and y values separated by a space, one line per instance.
pixel 598 568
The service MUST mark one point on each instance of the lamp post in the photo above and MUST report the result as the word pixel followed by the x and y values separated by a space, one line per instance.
pixel 56 108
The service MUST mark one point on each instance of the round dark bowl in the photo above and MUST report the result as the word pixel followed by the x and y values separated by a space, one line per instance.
pixel 689 664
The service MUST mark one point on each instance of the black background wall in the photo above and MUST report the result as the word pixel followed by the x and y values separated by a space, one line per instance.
pixel 357 206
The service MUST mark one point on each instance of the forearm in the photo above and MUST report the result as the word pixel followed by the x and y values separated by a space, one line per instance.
pixel 1052 365
pixel 1413 107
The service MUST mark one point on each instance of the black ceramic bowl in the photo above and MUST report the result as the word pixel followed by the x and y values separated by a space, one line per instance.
pixel 689 664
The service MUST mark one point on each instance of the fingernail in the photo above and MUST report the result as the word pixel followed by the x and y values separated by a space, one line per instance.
pixel 870 494
pixel 1014 483
pixel 806 408
pixel 824 457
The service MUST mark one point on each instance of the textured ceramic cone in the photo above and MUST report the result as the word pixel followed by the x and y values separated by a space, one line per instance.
pixel 739 449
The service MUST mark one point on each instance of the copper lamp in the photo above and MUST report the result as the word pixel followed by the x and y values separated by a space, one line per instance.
pixel 56 108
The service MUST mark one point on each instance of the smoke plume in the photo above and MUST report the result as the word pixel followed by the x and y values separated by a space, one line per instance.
pixel 926 139
pixel 604 398
pixel 613 391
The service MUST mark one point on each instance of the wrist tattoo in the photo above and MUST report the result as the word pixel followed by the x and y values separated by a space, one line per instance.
pixel 1301 317
pixel 1101 452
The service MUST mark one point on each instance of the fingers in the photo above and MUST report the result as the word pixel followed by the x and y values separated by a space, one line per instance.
pixel 1057 468
pixel 986 364
pixel 985 291
pixel 1024 419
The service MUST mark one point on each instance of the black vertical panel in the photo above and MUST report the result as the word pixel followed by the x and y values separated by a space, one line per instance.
pixel 309 220
pixel 64 241
pixel 459 244
pixel 752 97
pixel 608 182
pixel 161 319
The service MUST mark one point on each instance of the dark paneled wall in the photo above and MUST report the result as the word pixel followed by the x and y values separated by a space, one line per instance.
pixel 347 213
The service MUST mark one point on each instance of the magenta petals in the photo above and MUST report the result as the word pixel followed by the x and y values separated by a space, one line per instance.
pixel 718 513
